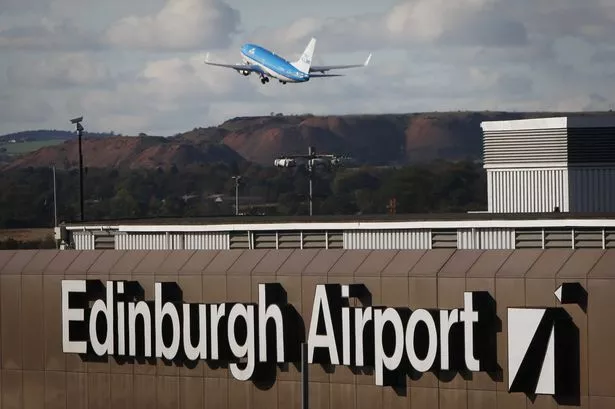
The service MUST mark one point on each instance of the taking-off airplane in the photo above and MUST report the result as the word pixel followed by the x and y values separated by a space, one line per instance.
pixel 267 64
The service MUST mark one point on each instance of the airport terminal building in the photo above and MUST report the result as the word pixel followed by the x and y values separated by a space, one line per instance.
pixel 508 308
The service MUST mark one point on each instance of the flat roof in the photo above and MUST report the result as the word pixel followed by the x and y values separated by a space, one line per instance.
pixel 560 122
pixel 343 218
pixel 375 222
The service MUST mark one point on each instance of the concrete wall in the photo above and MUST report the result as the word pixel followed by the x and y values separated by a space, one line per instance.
pixel 35 373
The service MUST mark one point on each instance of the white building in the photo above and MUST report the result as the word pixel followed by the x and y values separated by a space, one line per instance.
pixel 481 232
pixel 539 165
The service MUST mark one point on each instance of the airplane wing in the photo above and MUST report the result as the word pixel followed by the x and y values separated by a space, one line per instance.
pixel 237 67
pixel 323 68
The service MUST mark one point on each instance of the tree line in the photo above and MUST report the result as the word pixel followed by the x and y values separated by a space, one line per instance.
pixel 27 201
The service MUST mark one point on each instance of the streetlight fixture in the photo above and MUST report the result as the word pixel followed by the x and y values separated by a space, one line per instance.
pixel 312 160
pixel 237 179
pixel 77 122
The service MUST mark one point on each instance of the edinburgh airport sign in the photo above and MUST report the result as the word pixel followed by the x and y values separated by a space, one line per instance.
pixel 345 329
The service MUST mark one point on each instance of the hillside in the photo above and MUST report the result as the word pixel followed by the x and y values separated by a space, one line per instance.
pixel 370 139
pixel 373 139
pixel 46 135
pixel 126 152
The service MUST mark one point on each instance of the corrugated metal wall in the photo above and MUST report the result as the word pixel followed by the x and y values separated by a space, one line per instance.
pixel 208 241
pixel 496 238
pixel 584 189
pixel 172 241
pixel 527 190
pixel 84 240
pixel 486 239
pixel 387 239
pixel 525 146
pixel 592 189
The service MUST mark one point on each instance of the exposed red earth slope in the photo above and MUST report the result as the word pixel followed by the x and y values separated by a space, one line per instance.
pixel 373 139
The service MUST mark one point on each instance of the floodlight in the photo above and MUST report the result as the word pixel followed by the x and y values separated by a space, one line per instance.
pixel 77 121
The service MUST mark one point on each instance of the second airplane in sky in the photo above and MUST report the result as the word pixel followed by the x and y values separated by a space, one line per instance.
pixel 267 64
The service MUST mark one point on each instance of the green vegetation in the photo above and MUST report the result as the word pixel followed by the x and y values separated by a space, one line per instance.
pixel 13 244
pixel 26 195
pixel 19 148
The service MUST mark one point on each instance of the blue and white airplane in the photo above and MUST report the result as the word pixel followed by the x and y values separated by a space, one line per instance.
pixel 267 64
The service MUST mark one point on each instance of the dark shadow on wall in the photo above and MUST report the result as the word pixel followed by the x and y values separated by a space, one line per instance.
pixel 265 374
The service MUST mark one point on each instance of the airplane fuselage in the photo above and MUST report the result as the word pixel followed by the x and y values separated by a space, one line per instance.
pixel 267 64
pixel 271 64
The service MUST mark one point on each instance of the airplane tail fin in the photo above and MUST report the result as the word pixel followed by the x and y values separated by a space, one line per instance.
pixel 304 63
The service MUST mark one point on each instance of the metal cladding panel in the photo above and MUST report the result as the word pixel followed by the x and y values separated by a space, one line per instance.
pixel 591 145
pixel 527 190
pixel 172 241
pixel 497 239
pixel 486 239
pixel 206 241
pixel 592 189
pixel 467 239
pixel 525 146
pixel 84 240
pixel 387 240
pixel 141 241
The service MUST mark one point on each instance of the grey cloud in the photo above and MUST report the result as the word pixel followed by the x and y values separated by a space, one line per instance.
pixel 598 98
pixel 19 7
pixel 597 102
pixel 515 86
pixel 181 25
pixel 62 37
pixel 486 30
pixel 604 56
pixel 513 56
pixel 24 109
pixel 586 19
pixel 60 71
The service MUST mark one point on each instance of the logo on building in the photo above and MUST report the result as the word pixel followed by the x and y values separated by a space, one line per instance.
pixel 543 346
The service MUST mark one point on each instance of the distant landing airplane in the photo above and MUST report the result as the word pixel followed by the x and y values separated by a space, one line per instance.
pixel 268 64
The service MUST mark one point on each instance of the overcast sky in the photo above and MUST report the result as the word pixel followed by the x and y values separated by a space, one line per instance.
pixel 137 66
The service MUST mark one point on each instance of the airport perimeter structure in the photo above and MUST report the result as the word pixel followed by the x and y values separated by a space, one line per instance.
pixel 473 311
pixel 466 328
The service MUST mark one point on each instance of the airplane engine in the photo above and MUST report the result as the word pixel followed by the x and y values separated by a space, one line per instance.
pixel 244 72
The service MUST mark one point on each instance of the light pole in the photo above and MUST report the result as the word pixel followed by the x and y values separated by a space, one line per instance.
pixel 312 160
pixel 77 122
pixel 237 179
pixel 55 206
pixel 310 169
